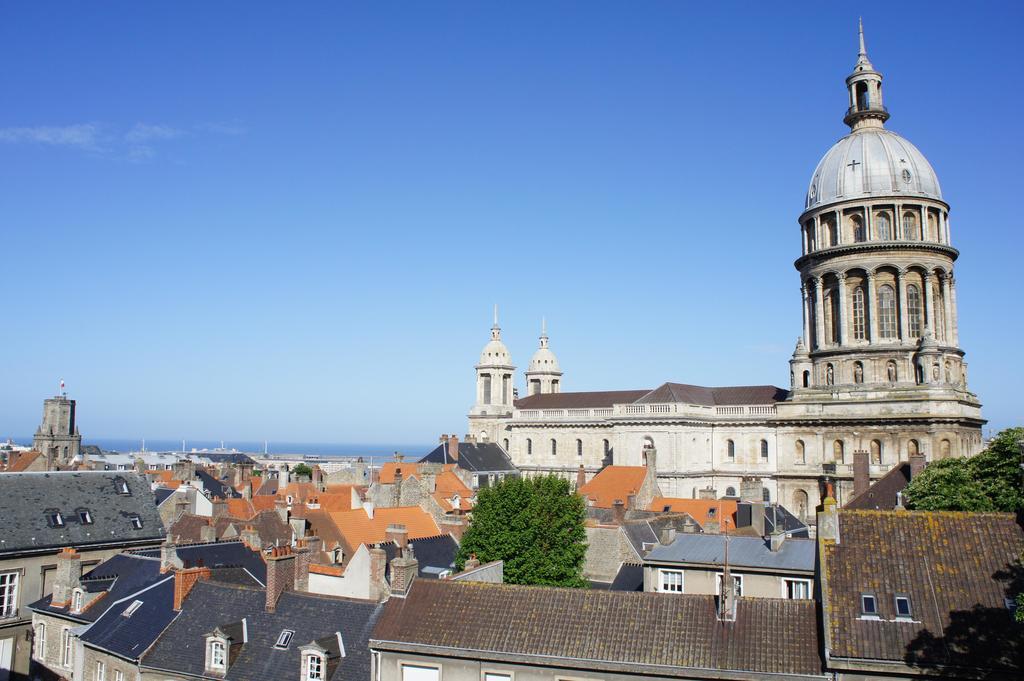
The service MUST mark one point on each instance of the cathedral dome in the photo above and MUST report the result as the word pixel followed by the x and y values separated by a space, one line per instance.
pixel 872 162
pixel 495 353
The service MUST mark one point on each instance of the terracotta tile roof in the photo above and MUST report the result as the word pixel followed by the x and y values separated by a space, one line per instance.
pixel 240 508
pixel 956 569
pixel 388 471
pixel 358 528
pixel 614 482
pixel 580 400
pixel 24 460
pixel 299 491
pixel 264 503
pixel 701 510
pixel 322 525
pixel 334 502
pixel 640 633
pixel 162 476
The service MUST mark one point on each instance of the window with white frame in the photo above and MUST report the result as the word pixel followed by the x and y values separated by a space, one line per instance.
pixel 737 582
pixel 67 648
pixel 40 642
pixel 76 600
pixel 8 594
pixel 218 657
pixel 118 675
pixel 101 671
pixel 796 589
pixel 415 672
pixel 314 668
pixel 136 521
pixel 497 676
pixel 887 312
pixel 670 581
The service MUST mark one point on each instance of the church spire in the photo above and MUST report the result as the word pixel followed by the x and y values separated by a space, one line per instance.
pixel 543 332
pixel 495 329
pixel 865 86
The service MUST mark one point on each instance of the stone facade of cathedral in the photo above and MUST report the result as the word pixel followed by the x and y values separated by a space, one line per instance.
pixel 878 367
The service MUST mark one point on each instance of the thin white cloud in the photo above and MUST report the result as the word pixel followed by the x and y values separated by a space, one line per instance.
pixel 145 132
pixel 80 136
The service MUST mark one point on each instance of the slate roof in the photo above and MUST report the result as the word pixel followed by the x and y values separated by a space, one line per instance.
pixel 162 494
pixel 730 395
pixel 630 577
pixel 580 400
pixel 642 534
pixel 215 487
pixel 268 525
pixel 882 494
pixel 136 576
pixel 639 633
pixel 956 568
pixel 181 648
pixel 434 554
pixel 744 552
pixel 25 499
pixel 479 457
pixel 229 457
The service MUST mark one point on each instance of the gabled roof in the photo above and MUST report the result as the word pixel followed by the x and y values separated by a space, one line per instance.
pixel 215 487
pixel 883 494
pixel 24 461
pixel 957 569
pixel 614 482
pixel 434 554
pixel 701 510
pixel 639 633
pixel 478 457
pixel 268 525
pixel 725 396
pixel 25 499
pixel 181 648
pixel 744 552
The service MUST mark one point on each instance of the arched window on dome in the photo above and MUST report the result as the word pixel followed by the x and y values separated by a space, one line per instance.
pixel 884 225
pixel 831 233
pixel 858 314
pixel 857 227
pixel 730 449
pixel 809 236
pixel 914 310
pixel 940 312
pixel 910 226
pixel 730 491
pixel 886 311
pixel 487 388
pixel 876 452
pixel 831 317
pixel 933 228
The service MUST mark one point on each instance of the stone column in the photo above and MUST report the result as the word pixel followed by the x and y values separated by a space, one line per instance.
pixel 872 310
pixel 839 227
pixel 869 224
pixel 843 315
pixel 929 303
pixel 901 283
pixel 954 324
pixel 805 295
pixel 819 318
pixel 944 281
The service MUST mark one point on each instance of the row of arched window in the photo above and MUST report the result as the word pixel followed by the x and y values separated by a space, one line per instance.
pixel 888 318
pixel 554 447
pixel 908 229
pixel 876 451
pixel 730 449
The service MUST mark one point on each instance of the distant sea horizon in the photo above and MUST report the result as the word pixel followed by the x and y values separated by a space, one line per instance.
pixel 327 449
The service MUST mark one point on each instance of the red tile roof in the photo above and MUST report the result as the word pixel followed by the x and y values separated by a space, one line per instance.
pixel 614 482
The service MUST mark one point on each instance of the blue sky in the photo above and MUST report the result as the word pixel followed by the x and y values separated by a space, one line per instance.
pixel 289 221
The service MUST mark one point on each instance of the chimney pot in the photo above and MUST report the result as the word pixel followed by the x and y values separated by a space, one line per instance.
pixel 917 464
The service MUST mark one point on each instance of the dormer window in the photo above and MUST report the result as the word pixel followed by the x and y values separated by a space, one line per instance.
pixel 216 655
pixel 54 518
pixel 84 516
pixel 121 486
pixel 76 600
pixel 136 520
pixel 314 668
pixel 868 605
pixel 903 607
pixel 130 610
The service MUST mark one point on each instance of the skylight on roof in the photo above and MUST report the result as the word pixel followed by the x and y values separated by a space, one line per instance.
pixel 130 610
pixel 284 639
pixel 868 604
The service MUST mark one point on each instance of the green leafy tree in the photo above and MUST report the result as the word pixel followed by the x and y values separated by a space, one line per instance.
pixel 302 469
pixel 535 526
pixel 990 481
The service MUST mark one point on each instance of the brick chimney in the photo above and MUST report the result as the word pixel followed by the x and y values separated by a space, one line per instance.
pixel 398 534
pixel 68 577
pixel 667 536
pixel 280 574
pixel 455 526
pixel 581 478
pixel 472 562
pixel 378 564
pixel 453 447
pixel 917 464
pixel 618 511
pixel 169 559
pixel 184 580
pixel 404 568
pixel 304 557
pixel 861 472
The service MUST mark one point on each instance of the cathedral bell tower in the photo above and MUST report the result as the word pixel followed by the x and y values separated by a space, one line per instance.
pixel 876 269
pixel 494 376
pixel 544 375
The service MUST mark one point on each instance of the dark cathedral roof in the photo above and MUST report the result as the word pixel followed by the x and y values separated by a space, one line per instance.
pixel 666 393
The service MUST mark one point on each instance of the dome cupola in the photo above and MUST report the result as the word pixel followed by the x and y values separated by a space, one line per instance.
pixel 544 375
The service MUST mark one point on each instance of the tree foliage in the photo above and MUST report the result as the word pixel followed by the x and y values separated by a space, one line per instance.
pixel 990 481
pixel 535 526
pixel 302 469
